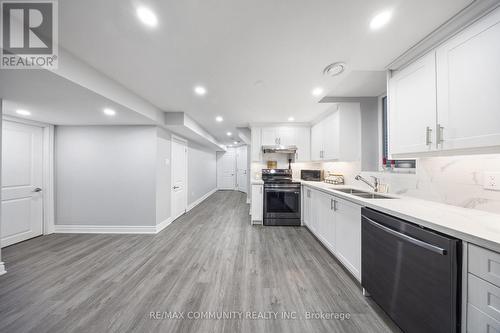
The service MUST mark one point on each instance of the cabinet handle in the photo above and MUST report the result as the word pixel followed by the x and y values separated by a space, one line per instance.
pixel 332 204
pixel 308 193
pixel 261 190
pixel 428 134
pixel 439 134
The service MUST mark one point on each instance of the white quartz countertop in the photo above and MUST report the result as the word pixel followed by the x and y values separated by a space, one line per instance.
pixel 257 182
pixel 471 225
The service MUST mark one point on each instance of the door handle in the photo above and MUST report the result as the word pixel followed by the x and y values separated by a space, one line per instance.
pixel 428 135
pixel 414 241
pixel 176 187
pixel 439 134
pixel 36 190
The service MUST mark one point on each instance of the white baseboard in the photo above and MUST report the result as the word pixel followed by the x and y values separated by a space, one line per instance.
pixel 122 229
pixel 164 224
pixel 104 229
pixel 200 200
pixel 2 268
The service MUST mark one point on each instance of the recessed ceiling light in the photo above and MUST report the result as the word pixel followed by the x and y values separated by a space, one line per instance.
pixel 219 119
pixel 235 142
pixel 199 90
pixel 229 133
pixel 291 118
pixel 23 112
pixel 147 16
pixel 317 91
pixel 109 112
pixel 334 69
pixel 381 19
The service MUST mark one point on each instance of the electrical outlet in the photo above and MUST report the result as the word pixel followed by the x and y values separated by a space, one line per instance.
pixel 492 181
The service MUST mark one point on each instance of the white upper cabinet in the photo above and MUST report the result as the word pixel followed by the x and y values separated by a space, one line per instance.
pixel 303 143
pixel 449 100
pixel 256 144
pixel 331 137
pixel 412 107
pixel 468 85
pixel 269 136
pixel 299 136
pixel 338 136
pixel 316 141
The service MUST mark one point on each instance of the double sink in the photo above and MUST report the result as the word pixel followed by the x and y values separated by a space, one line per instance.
pixel 362 194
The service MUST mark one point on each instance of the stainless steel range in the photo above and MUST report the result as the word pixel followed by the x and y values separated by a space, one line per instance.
pixel 281 198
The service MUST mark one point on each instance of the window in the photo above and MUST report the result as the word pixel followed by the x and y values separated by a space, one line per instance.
pixel 407 165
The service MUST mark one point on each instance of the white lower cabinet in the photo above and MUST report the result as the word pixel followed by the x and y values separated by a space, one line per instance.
pixel 337 224
pixel 257 210
pixel 306 206
pixel 483 290
pixel 348 235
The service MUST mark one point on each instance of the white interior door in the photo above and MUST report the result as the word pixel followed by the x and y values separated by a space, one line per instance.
pixel 22 176
pixel 241 168
pixel 179 178
pixel 226 164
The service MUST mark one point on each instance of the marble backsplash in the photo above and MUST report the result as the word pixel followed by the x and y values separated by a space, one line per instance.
pixel 454 180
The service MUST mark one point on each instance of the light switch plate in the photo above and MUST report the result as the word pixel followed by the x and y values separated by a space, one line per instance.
pixel 492 181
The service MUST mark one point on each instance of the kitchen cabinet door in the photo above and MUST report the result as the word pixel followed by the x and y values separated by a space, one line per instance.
pixel 468 81
pixel 348 235
pixel 326 221
pixel 331 137
pixel 287 135
pixel 256 144
pixel 306 206
pixel 412 107
pixel 313 226
pixel 257 203
pixel 316 141
pixel 303 143
pixel 269 136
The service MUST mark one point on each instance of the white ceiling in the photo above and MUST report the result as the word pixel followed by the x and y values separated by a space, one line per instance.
pixel 54 100
pixel 259 59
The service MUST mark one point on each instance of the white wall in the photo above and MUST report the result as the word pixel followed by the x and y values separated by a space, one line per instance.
pixel 202 172
pixel 370 143
pixel 163 175
pixel 105 175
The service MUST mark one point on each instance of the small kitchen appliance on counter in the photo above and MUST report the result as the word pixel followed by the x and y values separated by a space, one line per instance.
pixel 312 175
pixel 281 198
pixel 335 179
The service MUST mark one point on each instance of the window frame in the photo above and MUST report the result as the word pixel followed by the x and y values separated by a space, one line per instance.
pixel 383 107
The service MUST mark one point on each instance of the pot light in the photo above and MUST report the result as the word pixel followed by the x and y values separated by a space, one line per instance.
pixel 235 142
pixel 334 69
pixel 23 112
pixel 109 112
pixel 317 91
pixel 219 119
pixel 291 119
pixel 381 19
pixel 199 90
pixel 147 16
pixel 229 133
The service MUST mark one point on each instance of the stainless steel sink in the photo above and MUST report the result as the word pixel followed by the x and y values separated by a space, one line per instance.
pixel 362 194
pixel 372 196
pixel 348 190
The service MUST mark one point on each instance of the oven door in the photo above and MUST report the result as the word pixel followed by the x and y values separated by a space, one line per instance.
pixel 282 203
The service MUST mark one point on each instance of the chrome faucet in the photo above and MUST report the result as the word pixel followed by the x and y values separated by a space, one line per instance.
pixel 375 184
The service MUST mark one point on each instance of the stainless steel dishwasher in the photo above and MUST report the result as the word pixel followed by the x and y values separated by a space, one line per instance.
pixel 413 273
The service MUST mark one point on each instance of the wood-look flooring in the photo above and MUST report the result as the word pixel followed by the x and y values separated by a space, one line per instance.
pixel 209 260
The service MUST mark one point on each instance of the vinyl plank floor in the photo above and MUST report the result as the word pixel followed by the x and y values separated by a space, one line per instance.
pixel 210 261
